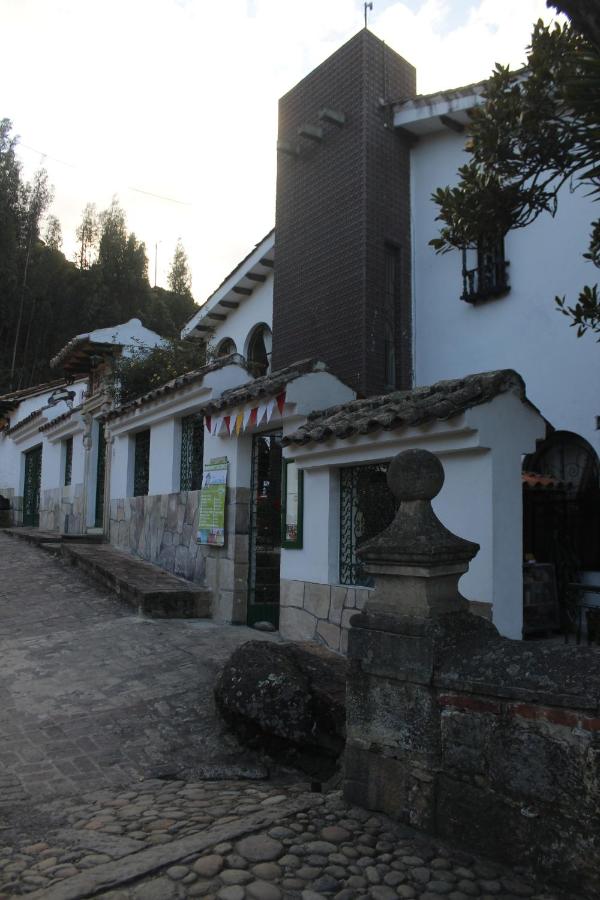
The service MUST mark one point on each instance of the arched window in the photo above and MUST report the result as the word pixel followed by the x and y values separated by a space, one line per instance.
pixel 258 354
pixel 226 348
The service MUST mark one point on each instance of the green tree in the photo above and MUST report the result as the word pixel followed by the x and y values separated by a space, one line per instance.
pixel 145 369
pixel 53 233
pixel 179 278
pixel 537 129
pixel 87 233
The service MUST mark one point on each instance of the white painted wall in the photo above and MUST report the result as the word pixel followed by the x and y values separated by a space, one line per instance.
pixel 252 310
pixel 481 499
pixel 522 330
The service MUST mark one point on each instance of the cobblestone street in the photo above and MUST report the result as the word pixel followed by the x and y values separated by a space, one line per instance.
pixel 109 750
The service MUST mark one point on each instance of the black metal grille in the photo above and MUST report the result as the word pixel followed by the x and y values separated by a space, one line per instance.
pixel 489 278
pixel 33 478
pixel 68 460
pixel 100 470
pixel 265 529
pixel 367 507
pixel 192 451
pixel 141 465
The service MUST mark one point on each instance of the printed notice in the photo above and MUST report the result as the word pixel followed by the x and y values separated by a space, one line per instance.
pixel 211 515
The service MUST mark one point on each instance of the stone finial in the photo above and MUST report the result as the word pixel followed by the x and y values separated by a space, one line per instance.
pixel 416 561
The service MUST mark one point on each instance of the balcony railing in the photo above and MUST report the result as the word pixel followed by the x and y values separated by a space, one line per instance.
pixel 489 278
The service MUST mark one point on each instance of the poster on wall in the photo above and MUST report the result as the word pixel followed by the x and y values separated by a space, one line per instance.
pixel 211 515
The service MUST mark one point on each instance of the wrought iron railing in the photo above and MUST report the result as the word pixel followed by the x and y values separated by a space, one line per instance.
pixel 192 451
pixel 489 278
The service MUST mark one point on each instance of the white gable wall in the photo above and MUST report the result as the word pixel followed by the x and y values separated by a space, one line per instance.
pixel 258 308
pixel 521 330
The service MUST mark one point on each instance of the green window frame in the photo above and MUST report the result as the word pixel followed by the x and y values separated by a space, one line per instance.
pixel 141 463
pixel 192 453
pixel 68 461
pixel 292 505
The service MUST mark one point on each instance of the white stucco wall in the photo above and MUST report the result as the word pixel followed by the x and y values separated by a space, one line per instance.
pixel 241 321
pixel 522 330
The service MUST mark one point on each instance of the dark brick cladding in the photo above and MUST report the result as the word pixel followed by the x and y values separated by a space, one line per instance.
pixel 338 203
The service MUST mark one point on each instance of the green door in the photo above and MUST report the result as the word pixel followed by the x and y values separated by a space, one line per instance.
pixel 31 492
pixel 265 529
pixel 100 471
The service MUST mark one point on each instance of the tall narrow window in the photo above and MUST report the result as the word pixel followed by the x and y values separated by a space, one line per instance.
pixel 489 277
pixel 68 460
pixel 192 452
pixel 390 303
pixel 141 463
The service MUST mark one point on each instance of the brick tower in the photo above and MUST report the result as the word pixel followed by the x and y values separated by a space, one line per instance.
pixel 342 289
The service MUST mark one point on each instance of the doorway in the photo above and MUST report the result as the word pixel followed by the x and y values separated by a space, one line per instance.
pixel 32 486
pixel 100 472
pixel 265 529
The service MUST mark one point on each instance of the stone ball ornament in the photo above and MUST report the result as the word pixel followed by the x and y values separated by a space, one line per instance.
pixel 415 475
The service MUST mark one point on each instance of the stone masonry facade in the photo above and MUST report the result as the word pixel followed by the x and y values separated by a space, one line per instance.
pixel 319 612
pixel 162 529
pixel 61 510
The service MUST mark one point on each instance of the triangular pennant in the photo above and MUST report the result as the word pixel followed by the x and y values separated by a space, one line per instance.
pixel 260 412
pixel 247 414
pixel 253 417
pixel 227 421
pixel 270 409
pixel 238 422
pixel 217 422
pixel 208 422
pixel 280 402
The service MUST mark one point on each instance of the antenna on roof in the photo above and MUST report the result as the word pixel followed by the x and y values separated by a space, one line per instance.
pixel 367 6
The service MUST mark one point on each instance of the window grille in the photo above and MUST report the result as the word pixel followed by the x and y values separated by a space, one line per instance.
pixel 141 465
pixel 489 277
pixel 192 452
pixel 367 506
pixel 68 460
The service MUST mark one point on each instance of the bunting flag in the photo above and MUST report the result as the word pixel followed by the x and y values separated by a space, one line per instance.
pixel 250 417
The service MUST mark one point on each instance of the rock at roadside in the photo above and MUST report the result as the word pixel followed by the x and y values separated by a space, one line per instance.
pixel 289 700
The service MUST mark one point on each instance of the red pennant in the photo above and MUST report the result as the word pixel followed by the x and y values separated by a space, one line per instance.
pixel 253 417
pixel 227 421
pixel 281 402
pixel 208 422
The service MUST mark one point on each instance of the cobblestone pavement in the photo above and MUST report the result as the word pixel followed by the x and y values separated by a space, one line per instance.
pixel 108 744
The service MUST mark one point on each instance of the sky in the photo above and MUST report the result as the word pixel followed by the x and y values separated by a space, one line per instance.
pixel 171 105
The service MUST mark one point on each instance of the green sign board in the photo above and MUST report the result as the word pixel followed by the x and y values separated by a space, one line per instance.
pixel 211 515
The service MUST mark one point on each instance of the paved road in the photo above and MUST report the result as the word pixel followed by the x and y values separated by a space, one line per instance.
pixel 93 696
pixel 107 736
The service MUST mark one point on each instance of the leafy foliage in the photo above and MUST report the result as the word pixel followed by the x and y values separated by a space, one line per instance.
pixel 45 299
pixel 537 129
pixel 145 369
pixel 179 278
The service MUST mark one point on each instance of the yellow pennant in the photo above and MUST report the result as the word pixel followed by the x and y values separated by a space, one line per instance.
pixel 238 422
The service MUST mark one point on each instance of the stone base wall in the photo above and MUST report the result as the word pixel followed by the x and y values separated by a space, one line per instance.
pixel 161 528
pixel 61 510
pixel 319 612
pixel 12 517
pixel 489 742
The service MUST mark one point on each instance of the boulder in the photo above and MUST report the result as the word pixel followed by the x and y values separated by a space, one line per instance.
pixel 289 700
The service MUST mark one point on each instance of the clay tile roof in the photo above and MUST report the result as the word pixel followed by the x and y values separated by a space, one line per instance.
pixel 177 383
pixel 34 415
pixel 537 482
pixel 402 409
pixel 11 400
pixel 266 386
pixel 62 418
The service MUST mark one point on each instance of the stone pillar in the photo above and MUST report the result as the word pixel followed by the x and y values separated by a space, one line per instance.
pixel 393 719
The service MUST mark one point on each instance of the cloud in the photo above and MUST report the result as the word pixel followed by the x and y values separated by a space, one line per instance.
pixel 179 98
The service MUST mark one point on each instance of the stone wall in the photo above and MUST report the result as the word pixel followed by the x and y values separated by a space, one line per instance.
pixel 161 528
pixel 492 743
pixel 15 513
pixel 61 510
pixel 319 612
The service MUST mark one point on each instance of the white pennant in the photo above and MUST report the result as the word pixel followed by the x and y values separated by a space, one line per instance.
pixel 217 424
pixel 262 408
pixel 270 408
pixel 246 419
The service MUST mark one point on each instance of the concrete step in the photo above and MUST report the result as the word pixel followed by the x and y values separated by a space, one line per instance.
pixel 146 587
pixel 33 535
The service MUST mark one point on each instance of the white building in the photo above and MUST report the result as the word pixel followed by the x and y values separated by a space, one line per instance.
pixel 349 279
